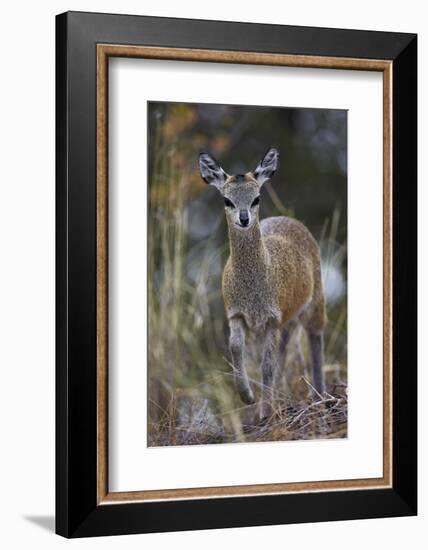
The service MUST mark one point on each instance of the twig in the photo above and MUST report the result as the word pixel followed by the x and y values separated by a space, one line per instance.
pixel 311 386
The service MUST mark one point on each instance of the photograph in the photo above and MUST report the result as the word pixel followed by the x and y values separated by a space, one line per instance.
pixel 213 256
pixel 236 265
pixel 246 274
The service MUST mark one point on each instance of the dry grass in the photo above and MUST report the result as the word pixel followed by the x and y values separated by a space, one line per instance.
pixel 192 398
pixel 203 414
pixel 190 420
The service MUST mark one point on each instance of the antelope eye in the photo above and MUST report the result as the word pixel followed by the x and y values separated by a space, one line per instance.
pixel 228 203
pixel 255 201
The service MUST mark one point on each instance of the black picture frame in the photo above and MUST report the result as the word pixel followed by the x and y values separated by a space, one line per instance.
pixel 77 511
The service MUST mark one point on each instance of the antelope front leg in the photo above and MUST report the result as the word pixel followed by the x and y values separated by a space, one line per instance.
pixel 237 346
pixel 269 367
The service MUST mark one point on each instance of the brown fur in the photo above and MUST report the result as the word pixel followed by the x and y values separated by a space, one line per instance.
pixel 271 280
pixel 273 275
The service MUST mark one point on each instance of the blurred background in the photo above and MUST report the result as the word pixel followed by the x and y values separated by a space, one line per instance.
pixel 191 395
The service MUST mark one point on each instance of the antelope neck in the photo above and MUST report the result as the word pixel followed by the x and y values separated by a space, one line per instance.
pixel 247 249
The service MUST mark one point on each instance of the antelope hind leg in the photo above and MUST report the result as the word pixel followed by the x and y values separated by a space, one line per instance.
pixel 283 346
pixel 269 369
pixel 316 342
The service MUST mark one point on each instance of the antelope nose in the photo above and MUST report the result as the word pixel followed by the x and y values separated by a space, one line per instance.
pixel 243 217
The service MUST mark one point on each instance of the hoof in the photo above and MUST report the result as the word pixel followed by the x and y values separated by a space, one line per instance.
pixel 264 420
pixel 247 397
pixel 244 390
pixel 314 394
pixel 266 413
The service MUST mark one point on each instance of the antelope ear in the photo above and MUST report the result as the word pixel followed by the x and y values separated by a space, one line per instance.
pixel 267 166
pixel 211 171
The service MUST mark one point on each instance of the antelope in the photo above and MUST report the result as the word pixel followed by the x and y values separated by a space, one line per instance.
pixel 271 281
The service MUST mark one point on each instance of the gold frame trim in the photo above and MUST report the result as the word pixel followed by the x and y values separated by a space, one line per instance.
pixel 104 51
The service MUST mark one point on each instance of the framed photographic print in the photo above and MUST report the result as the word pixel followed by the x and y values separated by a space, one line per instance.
pixel 236 274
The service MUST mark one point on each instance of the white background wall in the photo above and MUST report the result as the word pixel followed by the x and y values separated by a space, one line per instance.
pixel 27 270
